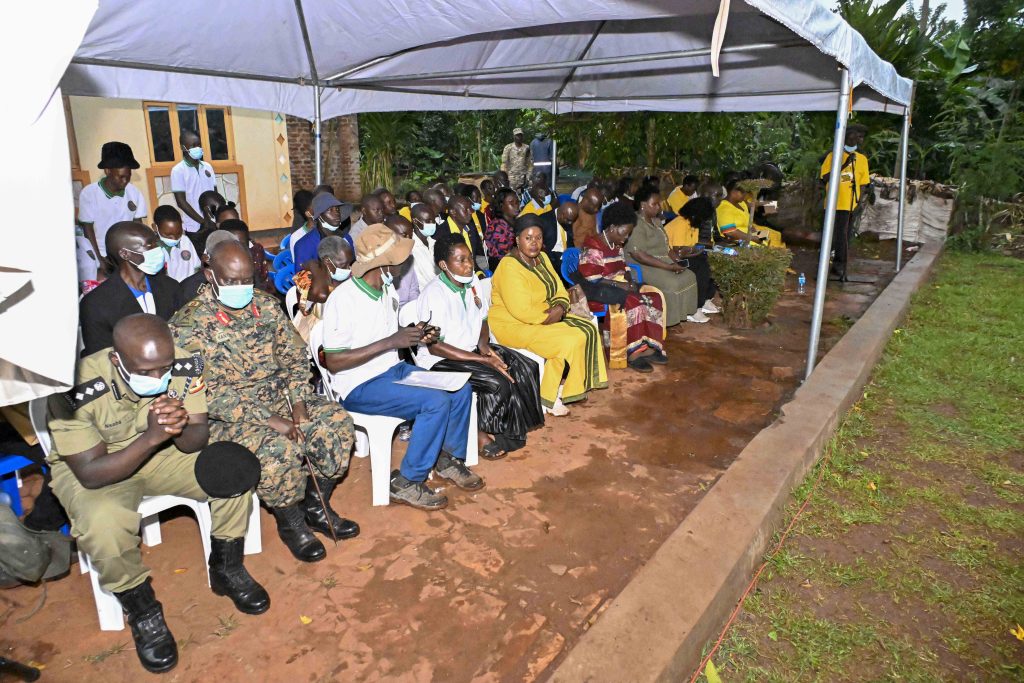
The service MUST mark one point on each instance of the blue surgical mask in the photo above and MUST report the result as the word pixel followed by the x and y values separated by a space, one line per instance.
pixel 153 260
pixel 196 153
pixel 143 385
pixel 547 200
pixel 387 278
pixel 850 148
pixel 476 206
pixel 340 274
pixel 169 242
pixel 233 296
pixel 428 230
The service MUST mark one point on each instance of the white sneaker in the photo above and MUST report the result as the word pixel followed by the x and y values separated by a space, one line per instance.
pixel 710 308
pixel 558 410
pixel 697 317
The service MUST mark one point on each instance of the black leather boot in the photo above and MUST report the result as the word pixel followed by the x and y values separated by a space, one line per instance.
pixel 228 576
pixel 319 512
pixel 153 640
pixel 291 527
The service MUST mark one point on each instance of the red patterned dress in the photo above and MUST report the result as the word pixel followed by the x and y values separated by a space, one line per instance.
pixel 645 319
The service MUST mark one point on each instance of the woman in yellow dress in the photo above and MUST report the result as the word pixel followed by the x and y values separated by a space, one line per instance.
pixel 734 219
pixel 529 310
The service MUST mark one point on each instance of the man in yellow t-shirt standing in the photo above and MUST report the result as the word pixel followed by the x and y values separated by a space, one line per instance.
pixel 854 179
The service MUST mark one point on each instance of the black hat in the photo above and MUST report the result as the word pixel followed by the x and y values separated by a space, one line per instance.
pixel 226 469
pixel 117 155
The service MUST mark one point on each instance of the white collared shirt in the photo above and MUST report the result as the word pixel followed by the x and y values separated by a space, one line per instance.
pixel 423 261
pixel 193 181
pixel 455 311
pixel 357 315
pixel 101 209
pixel 182 260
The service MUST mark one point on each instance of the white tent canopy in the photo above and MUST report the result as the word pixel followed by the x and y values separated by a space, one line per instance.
pixel 393 55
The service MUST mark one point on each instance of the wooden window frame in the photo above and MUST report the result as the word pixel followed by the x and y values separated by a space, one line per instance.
pixel 164 170
pixel 204 134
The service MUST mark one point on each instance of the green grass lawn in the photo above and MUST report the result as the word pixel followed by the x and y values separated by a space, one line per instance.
pixel 907 564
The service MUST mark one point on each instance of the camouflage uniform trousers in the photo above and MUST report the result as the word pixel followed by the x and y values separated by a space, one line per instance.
pixel 329 436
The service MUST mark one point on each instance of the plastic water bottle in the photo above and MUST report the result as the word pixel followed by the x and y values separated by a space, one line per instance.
pixel 801 284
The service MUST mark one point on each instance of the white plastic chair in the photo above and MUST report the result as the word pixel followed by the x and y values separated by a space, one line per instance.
pixel 108 607
pixel 291 299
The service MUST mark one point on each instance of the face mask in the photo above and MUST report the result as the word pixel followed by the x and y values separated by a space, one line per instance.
pixel 850 148
pixel 327 226
pixel 233 296
pixel 387 278
pixel 547 200
pixel 144 385
pixel 340 274
pixel 169 242
pixel 196 153
pixel 463 279
pixel 476 206
pixel 152 260
pixel 427 230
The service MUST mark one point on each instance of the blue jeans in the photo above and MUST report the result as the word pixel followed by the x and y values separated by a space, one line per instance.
pixel 441 417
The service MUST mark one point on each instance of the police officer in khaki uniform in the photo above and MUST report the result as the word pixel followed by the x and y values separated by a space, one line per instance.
pixel 260 396
pixel 132 427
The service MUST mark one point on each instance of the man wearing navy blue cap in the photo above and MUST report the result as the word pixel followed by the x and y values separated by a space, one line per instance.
pixel 330 216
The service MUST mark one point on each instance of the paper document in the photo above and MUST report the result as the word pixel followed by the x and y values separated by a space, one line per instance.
pixel 447 381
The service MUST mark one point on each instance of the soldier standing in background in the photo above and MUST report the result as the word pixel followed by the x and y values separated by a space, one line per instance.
pixel 517 161
pixel 260 396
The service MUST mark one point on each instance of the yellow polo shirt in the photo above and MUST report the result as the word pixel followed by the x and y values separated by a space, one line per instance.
pixel 853 176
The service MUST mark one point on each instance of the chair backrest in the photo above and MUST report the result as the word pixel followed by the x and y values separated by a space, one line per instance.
pixel 291 302
pixel 316 340
pixel 286 242
pixel 283 259
pixel 570 263
pixel 284 278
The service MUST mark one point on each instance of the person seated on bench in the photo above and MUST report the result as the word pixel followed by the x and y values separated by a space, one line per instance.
pixel 734 219
pixel 133 426
pixel 506 384
pixel 361 343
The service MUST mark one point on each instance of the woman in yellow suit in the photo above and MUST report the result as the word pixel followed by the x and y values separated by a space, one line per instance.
pixel 734 219
pixel 530 310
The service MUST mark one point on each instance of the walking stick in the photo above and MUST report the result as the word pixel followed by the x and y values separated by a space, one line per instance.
pixel 312 475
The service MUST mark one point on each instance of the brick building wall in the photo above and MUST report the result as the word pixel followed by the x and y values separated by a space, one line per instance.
pixel 340 144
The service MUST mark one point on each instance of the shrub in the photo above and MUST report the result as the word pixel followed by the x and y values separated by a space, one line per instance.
pixel 750 282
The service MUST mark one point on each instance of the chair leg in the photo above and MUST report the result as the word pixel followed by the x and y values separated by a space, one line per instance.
pixel 205 519
pixel 108 607
pixel 472 445
pixel 380 464
pixel 151 531
pixel 253 534
pixel 362 445
pixel 9 485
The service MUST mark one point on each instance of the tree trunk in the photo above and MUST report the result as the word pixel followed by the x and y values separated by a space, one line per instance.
pixel 652 128
pixel 348 147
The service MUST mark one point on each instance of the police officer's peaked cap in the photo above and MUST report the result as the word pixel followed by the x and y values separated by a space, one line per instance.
pixel 226 469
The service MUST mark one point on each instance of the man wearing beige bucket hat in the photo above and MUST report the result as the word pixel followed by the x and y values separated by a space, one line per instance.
pixel 361 343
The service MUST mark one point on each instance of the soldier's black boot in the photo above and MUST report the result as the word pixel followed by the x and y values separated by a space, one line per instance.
pixel 153 640
pixel 291 527
pixel 320 516
pixel 228 576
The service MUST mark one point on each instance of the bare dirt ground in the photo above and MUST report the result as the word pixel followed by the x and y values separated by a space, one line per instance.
pixel 501 584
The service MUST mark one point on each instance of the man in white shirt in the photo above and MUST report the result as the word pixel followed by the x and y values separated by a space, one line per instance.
pixel 361 342
pixel 182 260
pixel 112 198
pixel 424 226
pixel 191 177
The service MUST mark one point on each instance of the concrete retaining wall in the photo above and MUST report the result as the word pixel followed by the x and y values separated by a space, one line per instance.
pixel 656 628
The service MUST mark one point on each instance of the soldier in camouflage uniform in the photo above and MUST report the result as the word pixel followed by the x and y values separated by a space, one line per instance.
pixel 257 376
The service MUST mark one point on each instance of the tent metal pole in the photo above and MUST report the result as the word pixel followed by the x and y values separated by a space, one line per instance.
pixel 821 284
pixel 317 142
pixel 903 188
pixel 570 64
pixel 554 163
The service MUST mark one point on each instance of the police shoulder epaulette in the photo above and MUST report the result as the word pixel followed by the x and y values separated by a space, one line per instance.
pixel 188 367
pixel 86 392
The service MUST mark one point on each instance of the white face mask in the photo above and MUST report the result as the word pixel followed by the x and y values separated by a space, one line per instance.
pixel 327 226
pixel 463 279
